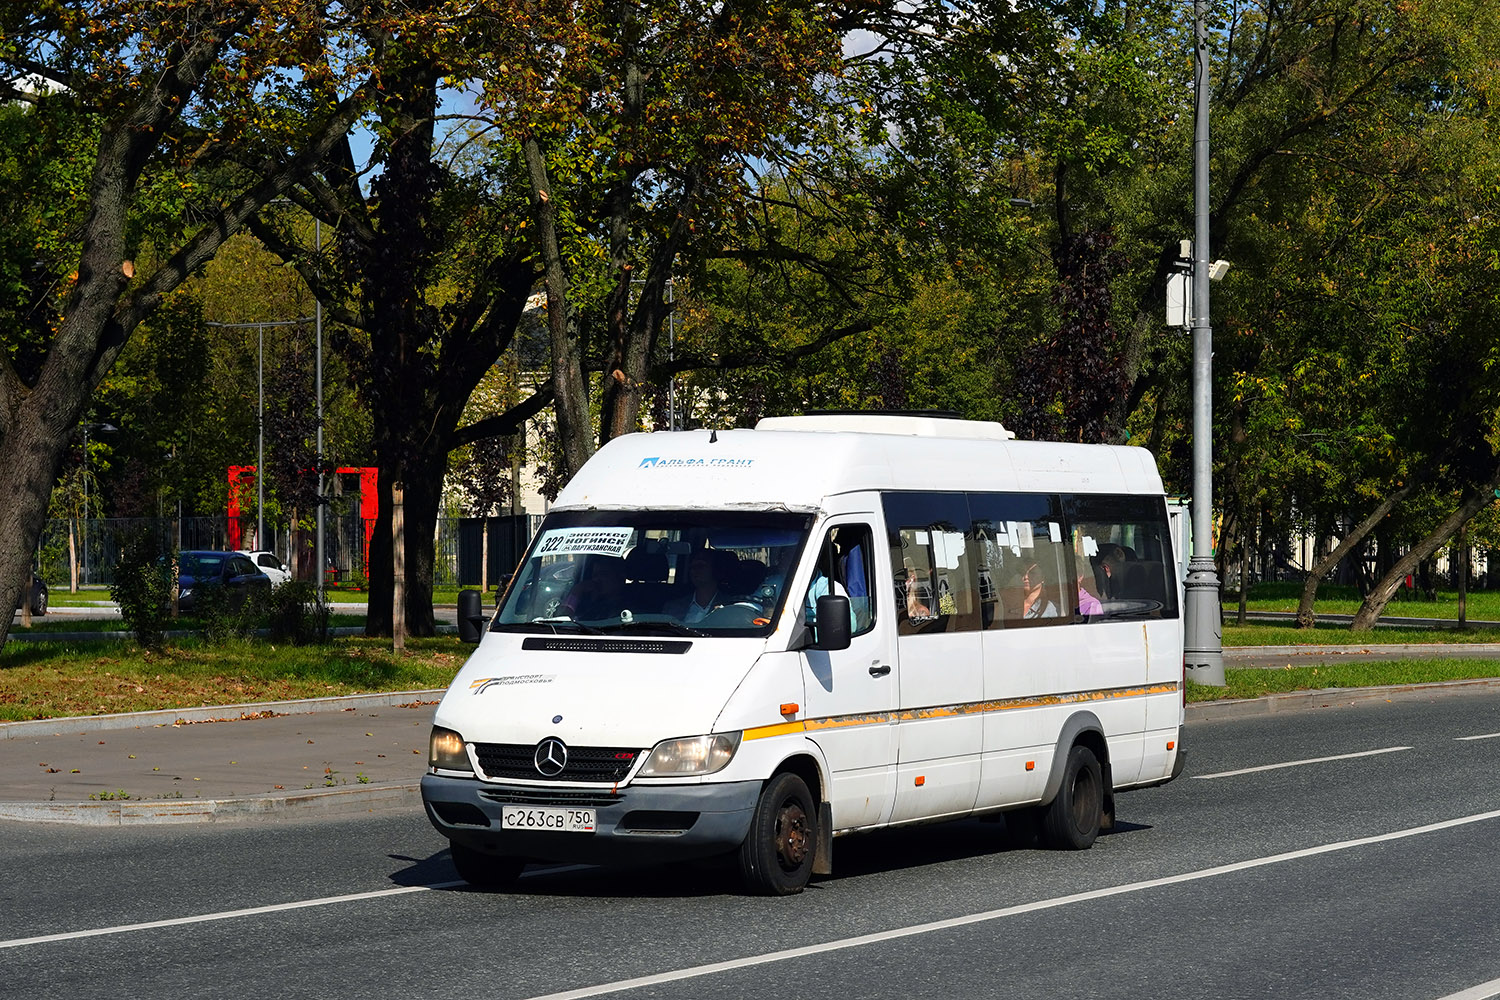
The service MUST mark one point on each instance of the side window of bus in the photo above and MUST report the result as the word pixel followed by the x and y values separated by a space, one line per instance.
pixel 844 567
pixel 935 585
pixel 1124 552
pixel 1025 567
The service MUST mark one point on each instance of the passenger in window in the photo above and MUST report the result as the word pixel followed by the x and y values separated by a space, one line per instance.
pixel 1109 566
pixel 705 596
pixel 1088 604
pixel 1034 602
pixel 1088 601
pixel 600 594
pixel 918 593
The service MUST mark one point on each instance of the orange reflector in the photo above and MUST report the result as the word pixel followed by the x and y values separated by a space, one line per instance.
pixel 789 708
pixel 1171 744
pixel 1031 765
pixel 921 779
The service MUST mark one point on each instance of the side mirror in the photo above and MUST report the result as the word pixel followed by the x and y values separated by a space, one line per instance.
pixel 832 630
pixel 470 616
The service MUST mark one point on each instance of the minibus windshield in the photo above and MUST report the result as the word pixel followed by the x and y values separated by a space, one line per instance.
pixel 687 572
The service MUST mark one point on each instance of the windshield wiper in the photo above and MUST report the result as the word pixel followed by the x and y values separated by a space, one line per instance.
pixel 576 626
pixel 671 627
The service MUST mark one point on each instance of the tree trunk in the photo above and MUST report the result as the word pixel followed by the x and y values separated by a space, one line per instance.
pixel 1475 501
pixel 570 399
pixel 1244 578
pixel 1324 566
pixel 1463 575
pixel 398 563
pixel 422 500
pixel 30 454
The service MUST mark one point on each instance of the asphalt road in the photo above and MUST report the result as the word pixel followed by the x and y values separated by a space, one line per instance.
pixel 1316 874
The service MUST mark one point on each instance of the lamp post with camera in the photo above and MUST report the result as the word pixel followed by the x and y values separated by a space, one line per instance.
pixel 1203 648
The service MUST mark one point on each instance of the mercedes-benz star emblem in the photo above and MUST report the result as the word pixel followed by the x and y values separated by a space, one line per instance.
pixel 551 757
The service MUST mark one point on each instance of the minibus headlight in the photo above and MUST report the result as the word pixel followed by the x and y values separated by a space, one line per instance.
pixel 446 751
pixel 694 755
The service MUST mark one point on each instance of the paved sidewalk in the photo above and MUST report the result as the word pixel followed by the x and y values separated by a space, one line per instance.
pixel 331 755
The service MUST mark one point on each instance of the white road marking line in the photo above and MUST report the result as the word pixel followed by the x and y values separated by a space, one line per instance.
pixel 1298 763
pixel 272 908
pixel 1484 991
pixel 1486 736
pixel 1009 911
pixel 225 915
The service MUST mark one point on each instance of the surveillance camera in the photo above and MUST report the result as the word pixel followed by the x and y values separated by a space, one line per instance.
pixel 1217 270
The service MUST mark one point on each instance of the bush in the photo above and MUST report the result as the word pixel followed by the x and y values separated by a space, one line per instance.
pixel 219 622
pixel 296 616
pixel 143 590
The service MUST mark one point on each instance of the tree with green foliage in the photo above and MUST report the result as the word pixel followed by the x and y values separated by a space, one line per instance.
pixel 160 90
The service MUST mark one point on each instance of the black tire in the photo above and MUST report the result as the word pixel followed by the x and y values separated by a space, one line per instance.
pixel 777 856
pixel 39 603
pixel 485 871
pixel 1071 822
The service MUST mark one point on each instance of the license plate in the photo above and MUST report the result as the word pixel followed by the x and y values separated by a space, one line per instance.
pixel 555 819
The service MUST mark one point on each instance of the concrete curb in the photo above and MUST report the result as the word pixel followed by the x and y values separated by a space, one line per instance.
pixel 213 713
pixel 341 801
pixel 1301 701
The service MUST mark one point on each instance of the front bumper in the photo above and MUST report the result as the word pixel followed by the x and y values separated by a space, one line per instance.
pixel 637 823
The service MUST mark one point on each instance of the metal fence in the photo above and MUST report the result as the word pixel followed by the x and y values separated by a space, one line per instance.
pixel 95 545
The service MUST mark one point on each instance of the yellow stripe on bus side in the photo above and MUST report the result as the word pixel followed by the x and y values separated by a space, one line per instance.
pixel 950 711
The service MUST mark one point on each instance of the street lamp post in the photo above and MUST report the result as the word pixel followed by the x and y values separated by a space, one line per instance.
pixel 322 501
pixel 260 414
pixel 260 443
pixel 1203 652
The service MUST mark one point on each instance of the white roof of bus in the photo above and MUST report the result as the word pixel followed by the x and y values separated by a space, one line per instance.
pixel 796 462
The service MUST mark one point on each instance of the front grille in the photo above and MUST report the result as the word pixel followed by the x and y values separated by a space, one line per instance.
pixel 517 760
pixel 550 797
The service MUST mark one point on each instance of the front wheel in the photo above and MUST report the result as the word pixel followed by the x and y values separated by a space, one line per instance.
pixel 1071 822
pixel 39 603
pixel 776 858
pixel 485 871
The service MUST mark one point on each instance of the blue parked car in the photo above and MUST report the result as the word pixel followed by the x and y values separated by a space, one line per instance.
pixel 233 571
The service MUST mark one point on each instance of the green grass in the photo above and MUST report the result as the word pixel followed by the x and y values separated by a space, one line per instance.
pixel 58 596
pixel 49 680
pixel 1343 600
pixel 1256 683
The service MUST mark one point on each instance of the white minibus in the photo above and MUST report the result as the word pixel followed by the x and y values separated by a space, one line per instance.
pixel 751 642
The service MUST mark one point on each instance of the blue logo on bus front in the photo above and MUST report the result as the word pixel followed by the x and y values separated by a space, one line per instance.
pixel 657 462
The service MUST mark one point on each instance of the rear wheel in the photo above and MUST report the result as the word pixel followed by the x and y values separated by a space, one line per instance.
pixel 485 871
pixel 39 602
pixel 1071 822
pixel 776 858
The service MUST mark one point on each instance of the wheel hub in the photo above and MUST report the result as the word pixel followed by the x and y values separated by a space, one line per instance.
pixel 792 841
